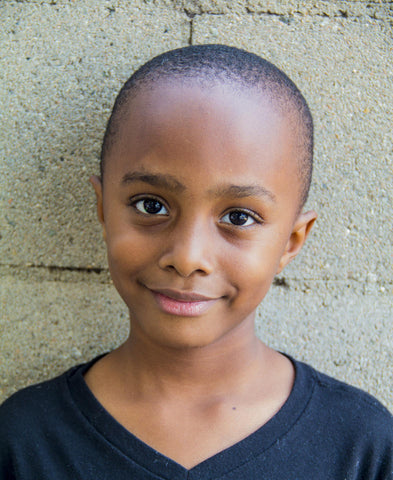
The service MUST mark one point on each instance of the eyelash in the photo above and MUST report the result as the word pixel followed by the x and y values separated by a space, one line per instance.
pixel 256 219
pixel 134 202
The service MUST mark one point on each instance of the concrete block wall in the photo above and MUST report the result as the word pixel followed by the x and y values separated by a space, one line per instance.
pixel 63 63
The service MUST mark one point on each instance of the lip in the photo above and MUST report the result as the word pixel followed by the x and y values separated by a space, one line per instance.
pixel 186 304
pixel 182 296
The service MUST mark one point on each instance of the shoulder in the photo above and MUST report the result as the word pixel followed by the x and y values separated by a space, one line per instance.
pixel 25 419
pixel 345 423
pixel 32 397
pixel 33 407
pixel 348 411
pixel 34 422
pixel 346 396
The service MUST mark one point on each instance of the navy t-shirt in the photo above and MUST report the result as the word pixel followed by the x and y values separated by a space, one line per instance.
pixel 326 430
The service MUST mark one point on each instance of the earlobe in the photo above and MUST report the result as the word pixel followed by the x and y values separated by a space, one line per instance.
pixel 300 232
pixel 97 185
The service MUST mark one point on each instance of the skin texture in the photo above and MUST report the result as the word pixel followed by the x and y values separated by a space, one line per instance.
pixel 189 166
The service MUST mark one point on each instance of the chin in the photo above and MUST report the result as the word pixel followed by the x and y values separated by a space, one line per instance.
pixel 182 337
pixel 187 342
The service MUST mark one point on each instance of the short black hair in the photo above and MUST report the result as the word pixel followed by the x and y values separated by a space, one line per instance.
pixel 212 64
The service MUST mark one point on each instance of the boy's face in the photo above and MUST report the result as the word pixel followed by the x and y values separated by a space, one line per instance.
pixel 199 210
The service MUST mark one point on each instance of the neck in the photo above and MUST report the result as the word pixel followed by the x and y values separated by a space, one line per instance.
pixel 216 369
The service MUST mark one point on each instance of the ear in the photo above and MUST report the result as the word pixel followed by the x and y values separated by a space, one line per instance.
pixel 97 185
pixel 300 232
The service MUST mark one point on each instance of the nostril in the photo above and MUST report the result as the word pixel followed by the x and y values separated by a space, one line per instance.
pixel 185 272
pixel 184 265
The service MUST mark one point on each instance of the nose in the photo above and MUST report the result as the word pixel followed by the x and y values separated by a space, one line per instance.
pixel 188 249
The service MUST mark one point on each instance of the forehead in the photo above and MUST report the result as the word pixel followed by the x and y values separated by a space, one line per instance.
pixel 224 129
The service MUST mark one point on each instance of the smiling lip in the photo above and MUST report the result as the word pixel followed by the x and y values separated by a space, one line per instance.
pixel 187 304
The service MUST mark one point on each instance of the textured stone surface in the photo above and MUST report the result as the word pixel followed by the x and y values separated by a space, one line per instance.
pixel 340 328
pixel 342 8
pixel 48 326
pixel 357 8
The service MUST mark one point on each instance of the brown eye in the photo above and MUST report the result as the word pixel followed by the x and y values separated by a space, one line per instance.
pixel 150 206
pixel 239 218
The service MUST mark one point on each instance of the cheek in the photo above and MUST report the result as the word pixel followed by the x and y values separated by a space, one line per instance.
pixel 254 266
pixel 258 257
pixel 128 251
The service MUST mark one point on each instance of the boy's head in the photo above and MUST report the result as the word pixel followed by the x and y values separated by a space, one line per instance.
pixel 208 65
pixel 206 164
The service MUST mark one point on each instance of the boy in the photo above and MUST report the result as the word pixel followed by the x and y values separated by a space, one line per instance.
pixel 206 164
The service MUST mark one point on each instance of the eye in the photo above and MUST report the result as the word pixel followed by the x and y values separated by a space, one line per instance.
pixel 240 218
pixel 150 206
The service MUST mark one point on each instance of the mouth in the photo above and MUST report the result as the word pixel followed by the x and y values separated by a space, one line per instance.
pixel 186 304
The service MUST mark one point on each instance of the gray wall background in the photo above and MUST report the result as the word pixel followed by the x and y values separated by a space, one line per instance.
pixel 62 63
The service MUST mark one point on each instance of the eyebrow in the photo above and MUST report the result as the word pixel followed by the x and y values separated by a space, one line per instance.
pixel 155 179
pixel 241 191
pixel 169 182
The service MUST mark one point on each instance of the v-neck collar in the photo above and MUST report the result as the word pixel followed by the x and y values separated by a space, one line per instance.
pixel 214 467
